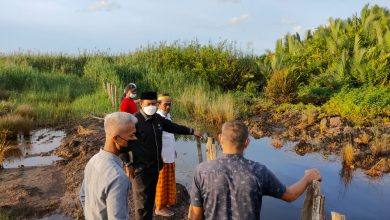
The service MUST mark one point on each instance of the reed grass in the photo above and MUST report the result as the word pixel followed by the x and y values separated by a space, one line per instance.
pixel 15 124
pixel 348 155
pixel 26 111
pixel 381 145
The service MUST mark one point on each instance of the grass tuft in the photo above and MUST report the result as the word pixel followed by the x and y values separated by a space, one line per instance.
pixel 15 124
pixel 348 155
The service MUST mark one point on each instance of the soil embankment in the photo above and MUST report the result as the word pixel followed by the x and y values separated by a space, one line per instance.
pixel 35 192
pixel 314 132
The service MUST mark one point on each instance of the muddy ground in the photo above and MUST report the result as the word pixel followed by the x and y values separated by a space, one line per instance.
pixel 35 192
pixel 314 132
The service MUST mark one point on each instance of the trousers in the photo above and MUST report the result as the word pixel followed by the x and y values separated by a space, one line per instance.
pixel 144 186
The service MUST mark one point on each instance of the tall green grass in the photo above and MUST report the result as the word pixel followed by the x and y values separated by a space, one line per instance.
pixel 54 97
pixel 58 96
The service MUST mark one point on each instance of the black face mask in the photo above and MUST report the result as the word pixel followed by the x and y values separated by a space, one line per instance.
pixel 127 149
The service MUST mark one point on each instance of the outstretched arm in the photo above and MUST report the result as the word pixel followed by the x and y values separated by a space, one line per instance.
pixel 174 128
pixel 294 191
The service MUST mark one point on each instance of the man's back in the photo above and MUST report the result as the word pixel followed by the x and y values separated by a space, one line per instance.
pixel 231 187
pixel 105 188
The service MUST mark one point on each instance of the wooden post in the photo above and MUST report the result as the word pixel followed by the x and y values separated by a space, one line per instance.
pixel 115 97
pixel 337 216
pixel 313 206
pixel 199 146
pixel 108 91
pixel 211 149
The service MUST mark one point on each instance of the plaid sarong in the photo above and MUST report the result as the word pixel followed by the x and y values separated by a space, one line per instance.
pixel 166 186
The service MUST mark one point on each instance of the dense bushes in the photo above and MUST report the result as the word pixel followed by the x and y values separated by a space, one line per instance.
pixel 361 105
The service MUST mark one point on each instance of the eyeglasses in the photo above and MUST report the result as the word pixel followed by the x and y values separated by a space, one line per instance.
pixel 167 104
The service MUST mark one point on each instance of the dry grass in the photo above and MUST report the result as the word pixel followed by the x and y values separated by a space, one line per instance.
pixel 348 155
pixel 381 145
pixel 277 143
pixel 7 151
pixel 25 111
pixel 323 125
pixel 383 166
pixel 3 148
pixel 363 138
pixel 211 107
pixel 84 131
pixel 14 124
pixel 6 107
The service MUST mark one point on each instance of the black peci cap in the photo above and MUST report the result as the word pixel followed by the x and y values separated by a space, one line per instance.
pixel 149 96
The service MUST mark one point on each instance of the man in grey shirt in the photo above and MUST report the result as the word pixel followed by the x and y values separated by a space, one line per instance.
pixel 232 187
pixel 105 188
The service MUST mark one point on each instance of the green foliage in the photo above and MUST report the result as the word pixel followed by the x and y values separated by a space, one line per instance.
pixel 352 52
pixel 361 105
pixel 48 62
pixel 220 65
pixel 281 86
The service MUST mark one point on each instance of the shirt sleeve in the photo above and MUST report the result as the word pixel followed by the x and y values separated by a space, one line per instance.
pixel 117 194
pixel 272 186
pixel 174 128
pixel 196 194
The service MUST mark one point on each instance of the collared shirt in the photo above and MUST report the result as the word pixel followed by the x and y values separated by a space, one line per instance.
pixel 232 187
pixel 168 152
pixel 105 188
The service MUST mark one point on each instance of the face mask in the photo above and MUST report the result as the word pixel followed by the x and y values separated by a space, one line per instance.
pixel 125 149
pixel 133 95
pixel 150 110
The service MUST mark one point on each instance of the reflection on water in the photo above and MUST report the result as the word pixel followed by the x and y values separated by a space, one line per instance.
pixel 352 193
pixel 33 150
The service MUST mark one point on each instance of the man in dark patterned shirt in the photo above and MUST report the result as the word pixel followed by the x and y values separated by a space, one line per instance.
pixel 232 187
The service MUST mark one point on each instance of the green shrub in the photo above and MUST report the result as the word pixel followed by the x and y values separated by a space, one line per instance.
pixel 361 105
pixel 281 87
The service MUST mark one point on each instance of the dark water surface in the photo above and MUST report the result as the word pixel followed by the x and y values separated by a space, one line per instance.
pixel 361 198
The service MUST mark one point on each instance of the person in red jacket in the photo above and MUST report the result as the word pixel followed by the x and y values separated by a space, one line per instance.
pixel 128 104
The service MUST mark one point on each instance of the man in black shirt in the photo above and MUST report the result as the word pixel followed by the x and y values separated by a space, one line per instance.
pixel 145 162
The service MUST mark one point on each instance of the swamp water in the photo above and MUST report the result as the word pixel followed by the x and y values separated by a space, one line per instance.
pixel 358 198
pixel 34 150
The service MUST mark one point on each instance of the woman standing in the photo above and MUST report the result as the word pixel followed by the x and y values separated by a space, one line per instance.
pixel 166 186
pixel 128 104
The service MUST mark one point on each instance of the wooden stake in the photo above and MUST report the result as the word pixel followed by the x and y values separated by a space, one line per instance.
pixel 211 149
pixel 337 216
pixel 108 91
pixel 199 146
pixel 115 97
pixel 313 206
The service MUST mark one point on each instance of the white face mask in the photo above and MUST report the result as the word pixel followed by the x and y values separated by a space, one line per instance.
pixel 133 95
pixel 150 110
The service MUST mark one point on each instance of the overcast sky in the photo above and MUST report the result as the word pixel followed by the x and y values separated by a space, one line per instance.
pixel 115 26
